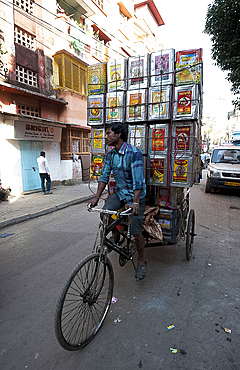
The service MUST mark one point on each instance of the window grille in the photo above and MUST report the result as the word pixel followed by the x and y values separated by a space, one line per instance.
pixel 123 23
pixel 26 5
pixel 100 51
pixel 99 3
pixel 28 111
pixel 26 76
pixel 69 73
pixel 24 38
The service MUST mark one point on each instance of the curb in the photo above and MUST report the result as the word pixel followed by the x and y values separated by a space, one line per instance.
pixel 30 216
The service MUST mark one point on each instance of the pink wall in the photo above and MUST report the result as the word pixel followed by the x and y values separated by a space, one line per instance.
pixel 50 111
pixel 76 110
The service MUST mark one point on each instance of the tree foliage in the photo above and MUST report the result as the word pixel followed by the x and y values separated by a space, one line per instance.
pixel 223 26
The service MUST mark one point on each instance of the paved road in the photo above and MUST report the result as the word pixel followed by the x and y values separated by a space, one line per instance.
pixel 200 297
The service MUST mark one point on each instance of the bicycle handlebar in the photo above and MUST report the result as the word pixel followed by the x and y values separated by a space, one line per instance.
pixel 127 212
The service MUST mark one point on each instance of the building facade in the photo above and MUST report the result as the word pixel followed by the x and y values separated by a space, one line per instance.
pixel 45 48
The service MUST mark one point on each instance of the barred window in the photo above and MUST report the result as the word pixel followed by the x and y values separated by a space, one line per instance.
pixel 24 38
pixel 28 110
pixel 99 3
pixel 26 5
pixel 26 76
pixel 69 73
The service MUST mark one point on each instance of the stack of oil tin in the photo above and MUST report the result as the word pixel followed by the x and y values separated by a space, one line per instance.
pixel 159 95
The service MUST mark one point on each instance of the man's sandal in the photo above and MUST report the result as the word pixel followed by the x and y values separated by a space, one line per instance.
pixel 141 272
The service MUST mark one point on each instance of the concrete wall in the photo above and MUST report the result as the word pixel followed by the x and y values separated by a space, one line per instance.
pixel 71 171
pixel 78 112
pixel 52 151
pixel 10 158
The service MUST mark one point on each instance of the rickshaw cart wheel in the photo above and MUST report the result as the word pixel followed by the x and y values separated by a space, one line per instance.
pixel 190 234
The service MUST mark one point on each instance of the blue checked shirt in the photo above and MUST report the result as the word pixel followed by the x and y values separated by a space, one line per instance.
pixel 128 171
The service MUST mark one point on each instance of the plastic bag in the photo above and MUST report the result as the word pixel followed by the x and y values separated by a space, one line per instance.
pixel 150 224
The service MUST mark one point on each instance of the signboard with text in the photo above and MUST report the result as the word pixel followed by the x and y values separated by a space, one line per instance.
pixel 34 131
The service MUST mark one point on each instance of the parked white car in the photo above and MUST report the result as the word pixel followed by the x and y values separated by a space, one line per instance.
pixel 224 169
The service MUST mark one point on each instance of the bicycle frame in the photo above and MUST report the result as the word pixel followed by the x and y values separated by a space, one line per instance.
pixel 107 227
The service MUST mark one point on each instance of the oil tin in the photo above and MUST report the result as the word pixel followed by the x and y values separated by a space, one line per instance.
pixel 186 102
pixel 182 171
pixel 95 110
pixel 159 103
pixel 158 139
pixel 162 67
pixel 138 72
pixel 189 67
pixel 168 219
pixel 136 137
pixel 184 137
pixel 117 75
pixel 98 140
pixel 115 106
pixel 97 78
pixel 176 196
pixel 97 165
pixel 136 105
pixel 157 170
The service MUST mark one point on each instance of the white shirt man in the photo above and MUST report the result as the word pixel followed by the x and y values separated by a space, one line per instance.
pixel 44 173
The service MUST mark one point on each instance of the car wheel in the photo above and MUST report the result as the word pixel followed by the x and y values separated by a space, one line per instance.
pixel 208 186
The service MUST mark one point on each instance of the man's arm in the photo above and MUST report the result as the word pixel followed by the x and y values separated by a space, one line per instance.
pixel 135 204
pixel 101 187
pixel 46 167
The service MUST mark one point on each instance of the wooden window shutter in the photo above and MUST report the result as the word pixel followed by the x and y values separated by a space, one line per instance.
pixel 68 73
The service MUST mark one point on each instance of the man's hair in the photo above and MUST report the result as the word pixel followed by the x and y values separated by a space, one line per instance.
pixel 42 154
pixel 120 128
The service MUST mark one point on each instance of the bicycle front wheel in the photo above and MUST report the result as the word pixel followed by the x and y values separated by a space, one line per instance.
pixel 84 302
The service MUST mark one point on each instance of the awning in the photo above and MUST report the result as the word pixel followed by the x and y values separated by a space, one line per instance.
pixel 102 35
pixel 19 90
pixel 78 126
pixel 124 10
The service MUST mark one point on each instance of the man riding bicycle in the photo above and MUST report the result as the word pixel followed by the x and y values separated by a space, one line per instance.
pixel 126 162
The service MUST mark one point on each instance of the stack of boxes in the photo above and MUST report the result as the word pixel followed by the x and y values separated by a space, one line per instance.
pixel 159 95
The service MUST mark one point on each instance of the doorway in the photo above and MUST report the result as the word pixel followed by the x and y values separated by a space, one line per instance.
pixel 30 151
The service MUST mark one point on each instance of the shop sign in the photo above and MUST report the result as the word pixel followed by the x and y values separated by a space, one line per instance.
pixel 34 131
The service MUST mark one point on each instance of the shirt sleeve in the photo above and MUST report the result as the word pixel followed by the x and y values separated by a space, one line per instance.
pixel 46 166
pixel 137 170
pixel 107 167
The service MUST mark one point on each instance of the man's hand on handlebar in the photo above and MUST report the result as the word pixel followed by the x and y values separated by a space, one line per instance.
pixel 135 208
pixel 93 203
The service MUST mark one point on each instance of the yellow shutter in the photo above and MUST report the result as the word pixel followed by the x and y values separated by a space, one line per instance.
pixel 76 78
pixel 68 73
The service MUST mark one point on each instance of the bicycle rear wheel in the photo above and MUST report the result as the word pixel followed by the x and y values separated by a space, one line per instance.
pixel 84 302
pixel 190 234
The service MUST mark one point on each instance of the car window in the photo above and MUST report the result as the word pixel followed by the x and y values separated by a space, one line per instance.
pixel 226 156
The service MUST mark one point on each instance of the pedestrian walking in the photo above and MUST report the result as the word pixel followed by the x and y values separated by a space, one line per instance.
pixel 44 173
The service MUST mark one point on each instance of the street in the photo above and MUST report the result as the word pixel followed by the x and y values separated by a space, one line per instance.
pixel 201 298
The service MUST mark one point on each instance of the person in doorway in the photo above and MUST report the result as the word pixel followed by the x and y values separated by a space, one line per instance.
pixel 44 173
pixel 126 162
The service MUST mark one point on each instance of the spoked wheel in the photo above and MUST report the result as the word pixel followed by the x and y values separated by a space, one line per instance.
pixel 84 302
pixel 190 234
